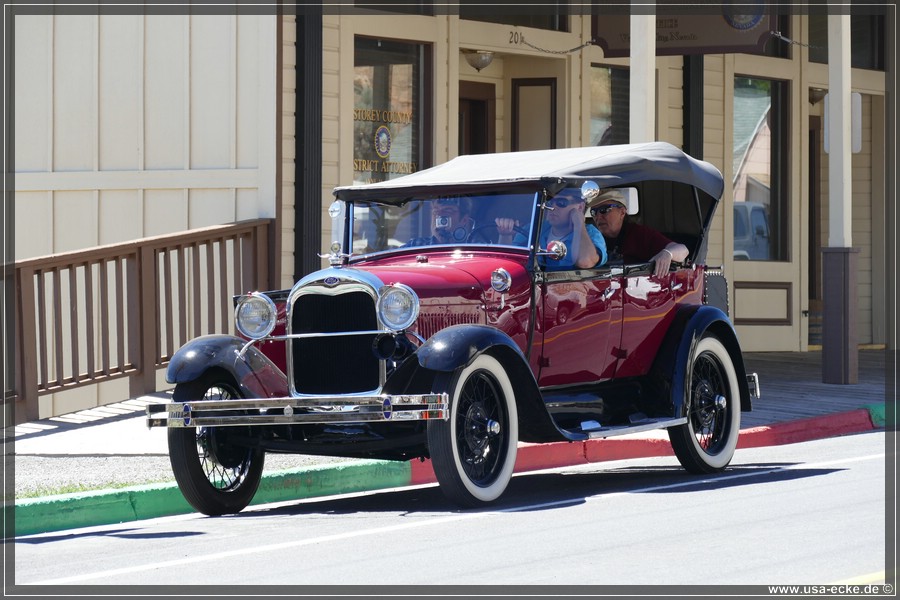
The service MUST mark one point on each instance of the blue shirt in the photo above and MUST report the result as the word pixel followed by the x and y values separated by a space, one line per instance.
pixel 568 261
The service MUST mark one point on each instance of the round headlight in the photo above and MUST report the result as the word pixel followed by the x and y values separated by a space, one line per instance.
pixel 398 307
pixel 255 315
pixel 501 280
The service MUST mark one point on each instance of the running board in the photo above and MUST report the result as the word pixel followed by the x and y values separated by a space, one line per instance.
pixel 594 430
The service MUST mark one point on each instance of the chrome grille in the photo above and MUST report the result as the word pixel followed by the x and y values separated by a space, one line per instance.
pixel 429 324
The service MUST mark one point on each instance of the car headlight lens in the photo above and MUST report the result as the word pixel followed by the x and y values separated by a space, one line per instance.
pixel 255 315
pixel 398 307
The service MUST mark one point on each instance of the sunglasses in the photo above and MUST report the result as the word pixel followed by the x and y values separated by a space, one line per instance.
pixel 560 202
pixel 602 210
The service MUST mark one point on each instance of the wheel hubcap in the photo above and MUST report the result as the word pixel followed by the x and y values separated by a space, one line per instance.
pixel 480 433
pixel 708 415
pixel 480 430
pixel 224 464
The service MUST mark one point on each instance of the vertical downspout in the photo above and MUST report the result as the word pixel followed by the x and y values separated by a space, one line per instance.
pixel 308 141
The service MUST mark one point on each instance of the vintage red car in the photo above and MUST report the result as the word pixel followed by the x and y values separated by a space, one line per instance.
pixel 431 336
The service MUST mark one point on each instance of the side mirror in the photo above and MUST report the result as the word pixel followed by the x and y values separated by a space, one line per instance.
pixel 589 191
pixel 555 249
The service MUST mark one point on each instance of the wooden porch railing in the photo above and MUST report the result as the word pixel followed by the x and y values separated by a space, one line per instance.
pixel 123 310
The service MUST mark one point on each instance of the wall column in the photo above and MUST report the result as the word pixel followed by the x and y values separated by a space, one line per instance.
pixel 839 333
pixel 642 101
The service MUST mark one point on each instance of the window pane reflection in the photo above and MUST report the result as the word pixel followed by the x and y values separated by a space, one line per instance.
pixel 760 173
pixel 388 112
pixel 609 105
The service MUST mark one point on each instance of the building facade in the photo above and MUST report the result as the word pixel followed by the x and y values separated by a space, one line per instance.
pixel 128 126
pixel 761 113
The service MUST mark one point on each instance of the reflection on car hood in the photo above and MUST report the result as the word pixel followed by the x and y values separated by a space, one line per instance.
pixel 458 275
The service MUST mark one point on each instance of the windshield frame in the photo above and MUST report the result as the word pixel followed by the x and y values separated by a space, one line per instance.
pixel 486 205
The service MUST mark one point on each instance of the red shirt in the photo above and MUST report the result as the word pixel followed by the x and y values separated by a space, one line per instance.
pixel 636 243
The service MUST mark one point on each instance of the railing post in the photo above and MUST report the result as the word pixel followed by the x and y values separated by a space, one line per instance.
pixel 263 276
pixel 26 349
pixel 137 288
pixel 147 310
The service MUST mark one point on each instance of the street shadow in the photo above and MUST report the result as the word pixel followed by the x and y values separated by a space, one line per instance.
pixel 547 491
pixel 527 492
pixel 131 534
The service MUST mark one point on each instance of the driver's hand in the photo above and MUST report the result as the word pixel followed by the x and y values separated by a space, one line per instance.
pixel 506 227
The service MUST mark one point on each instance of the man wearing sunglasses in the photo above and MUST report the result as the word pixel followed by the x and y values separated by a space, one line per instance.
pixel 564 221
pixel 633 242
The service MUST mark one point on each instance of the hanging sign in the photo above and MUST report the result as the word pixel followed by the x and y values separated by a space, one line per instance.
pixel 688 34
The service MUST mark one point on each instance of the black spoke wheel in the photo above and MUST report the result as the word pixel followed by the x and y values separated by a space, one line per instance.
pixel 706 443
pixel 215 475
pixel 474 452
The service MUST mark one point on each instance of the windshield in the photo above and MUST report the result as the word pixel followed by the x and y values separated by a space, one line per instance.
pixel 469 219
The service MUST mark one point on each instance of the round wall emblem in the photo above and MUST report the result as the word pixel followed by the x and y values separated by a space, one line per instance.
pixel 743 22
pixel 383 141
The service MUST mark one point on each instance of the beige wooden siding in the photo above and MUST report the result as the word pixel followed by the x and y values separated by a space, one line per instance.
pixel 333 60
pixel 134 125
pixel 129 126
pixel 671 99
pixel 714 151
pixel 288 146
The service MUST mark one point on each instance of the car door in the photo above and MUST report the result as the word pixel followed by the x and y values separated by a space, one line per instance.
pixel 648 307
pixel 577 309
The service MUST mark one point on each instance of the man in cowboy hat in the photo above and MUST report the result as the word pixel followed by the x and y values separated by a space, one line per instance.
pixel 633 242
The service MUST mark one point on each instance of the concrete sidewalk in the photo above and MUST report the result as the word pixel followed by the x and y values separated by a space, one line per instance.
pixel 795 406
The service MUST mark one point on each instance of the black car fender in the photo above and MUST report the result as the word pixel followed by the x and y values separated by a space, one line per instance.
pixel 672 363
pixel 456 346
pixel 255 375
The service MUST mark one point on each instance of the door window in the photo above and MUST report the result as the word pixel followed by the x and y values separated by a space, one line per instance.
pixel 760 167
pixel 390 113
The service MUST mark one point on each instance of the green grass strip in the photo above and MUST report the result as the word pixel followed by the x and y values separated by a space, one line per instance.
pixel 876 412
pixel 106 507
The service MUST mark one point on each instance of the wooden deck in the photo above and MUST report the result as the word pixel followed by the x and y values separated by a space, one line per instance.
pixel 791 386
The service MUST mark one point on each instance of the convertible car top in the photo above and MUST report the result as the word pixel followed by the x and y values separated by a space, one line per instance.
pixel 607 165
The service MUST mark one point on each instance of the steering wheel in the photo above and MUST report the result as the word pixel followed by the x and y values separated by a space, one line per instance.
pixel 481 232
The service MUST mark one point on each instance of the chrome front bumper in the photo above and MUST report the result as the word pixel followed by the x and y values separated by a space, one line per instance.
pixel 288 411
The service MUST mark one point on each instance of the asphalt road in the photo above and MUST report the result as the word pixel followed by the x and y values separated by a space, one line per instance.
pixel 807 513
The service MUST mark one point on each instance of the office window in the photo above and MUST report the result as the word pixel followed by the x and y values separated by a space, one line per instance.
pixel 866 40
pixel 760 169
pixel 391 109
pixel 609 105
pixel 547 16
pixel 410 7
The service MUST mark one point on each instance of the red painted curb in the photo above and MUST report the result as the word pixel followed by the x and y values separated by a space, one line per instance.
pixel 421 472
pixel 534 457
pixel 621 448
pixel 529 457
pixel 804 430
